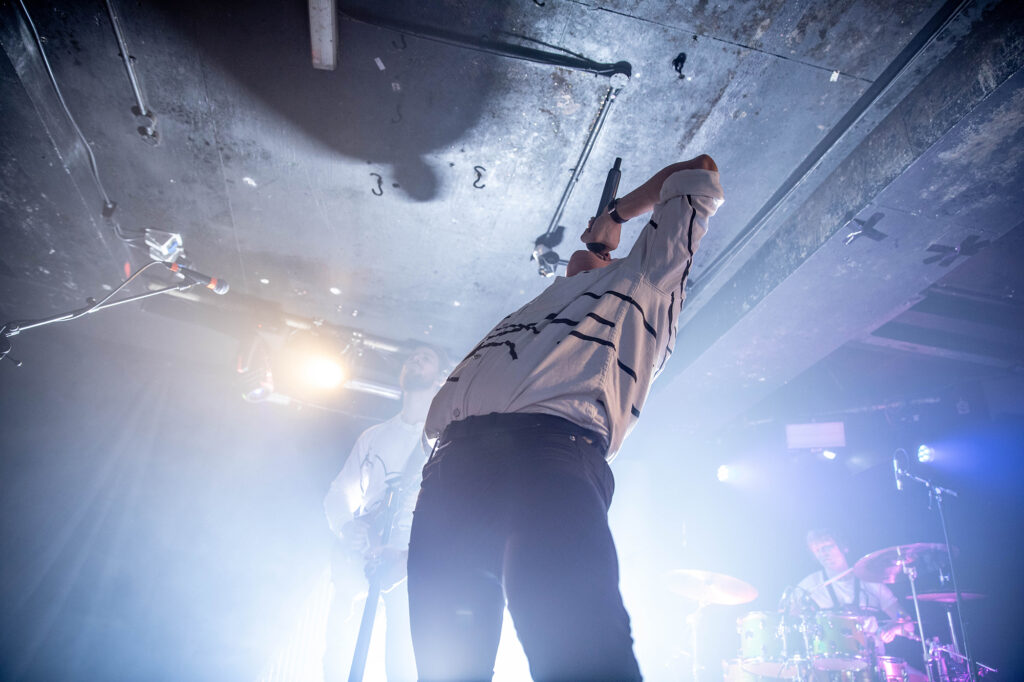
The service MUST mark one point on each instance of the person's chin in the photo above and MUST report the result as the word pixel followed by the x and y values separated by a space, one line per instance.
pixel 584 260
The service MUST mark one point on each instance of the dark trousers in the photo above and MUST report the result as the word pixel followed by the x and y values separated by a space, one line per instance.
pixel 516 506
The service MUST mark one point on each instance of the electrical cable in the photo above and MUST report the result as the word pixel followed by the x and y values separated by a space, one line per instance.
pixel 108 205
pixel 24 326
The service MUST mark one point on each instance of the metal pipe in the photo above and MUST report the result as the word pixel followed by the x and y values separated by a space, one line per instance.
pixel 123 46
pixel 595 129
pixel 900 65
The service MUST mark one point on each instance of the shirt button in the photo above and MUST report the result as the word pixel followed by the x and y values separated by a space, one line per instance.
pixel 572 438
pixel 456 413
pixel 476 357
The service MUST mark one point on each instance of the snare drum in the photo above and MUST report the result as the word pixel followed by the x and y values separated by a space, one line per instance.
pixel 840 642
pixel 769 645
pixel 892 669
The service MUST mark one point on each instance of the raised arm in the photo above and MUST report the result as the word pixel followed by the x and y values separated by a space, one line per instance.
pixel 605 230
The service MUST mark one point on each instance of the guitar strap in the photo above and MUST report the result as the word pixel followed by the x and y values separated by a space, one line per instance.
pixel 414 462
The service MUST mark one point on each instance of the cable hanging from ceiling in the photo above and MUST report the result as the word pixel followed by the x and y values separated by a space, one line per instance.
pixel 135 240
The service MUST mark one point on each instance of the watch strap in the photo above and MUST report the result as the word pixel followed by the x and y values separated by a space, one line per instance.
pixel 612 205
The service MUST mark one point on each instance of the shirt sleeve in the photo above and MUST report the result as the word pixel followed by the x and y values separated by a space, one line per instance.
pixel 665 247
pixel 345 494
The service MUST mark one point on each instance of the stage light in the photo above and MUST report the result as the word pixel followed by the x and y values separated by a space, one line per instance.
pixel 828 454
pixel 309 366
pixel 723 473
pixel 925 454
pixel 323 372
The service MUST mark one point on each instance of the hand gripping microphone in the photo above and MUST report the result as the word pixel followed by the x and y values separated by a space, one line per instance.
pixel 217 286
pixel 611 186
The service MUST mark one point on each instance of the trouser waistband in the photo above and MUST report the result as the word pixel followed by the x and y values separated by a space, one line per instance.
pixel 474 427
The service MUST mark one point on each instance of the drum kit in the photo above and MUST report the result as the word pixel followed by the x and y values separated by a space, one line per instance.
pixel 803 643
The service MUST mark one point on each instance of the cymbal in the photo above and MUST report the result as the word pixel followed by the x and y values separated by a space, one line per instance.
pixel 710 588
pixel 946 597
pixel 885 565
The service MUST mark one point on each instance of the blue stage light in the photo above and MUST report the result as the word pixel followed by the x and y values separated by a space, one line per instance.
pixel 925 453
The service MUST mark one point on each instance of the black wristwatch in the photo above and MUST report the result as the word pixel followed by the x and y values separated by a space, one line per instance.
pixel 613 213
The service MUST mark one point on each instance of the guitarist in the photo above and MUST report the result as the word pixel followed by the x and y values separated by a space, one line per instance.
pixel 355 509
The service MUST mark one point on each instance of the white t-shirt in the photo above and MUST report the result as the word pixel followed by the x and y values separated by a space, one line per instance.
pixel 589 346
pixel 871 595
pixel 380 450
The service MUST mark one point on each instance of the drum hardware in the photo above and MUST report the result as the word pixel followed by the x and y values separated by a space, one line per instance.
pixel 888 565
pixel 707 588
pixel 950 664
pixel 941 652
pixel 936 494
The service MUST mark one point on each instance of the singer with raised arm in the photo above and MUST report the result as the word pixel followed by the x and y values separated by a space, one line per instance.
pixel 514 500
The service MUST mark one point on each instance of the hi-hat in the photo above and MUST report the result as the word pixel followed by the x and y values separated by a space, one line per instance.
pixel 710 588
pixel 886 565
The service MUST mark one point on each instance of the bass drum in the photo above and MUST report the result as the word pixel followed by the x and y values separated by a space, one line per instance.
pixel 770 645
pixel 840 642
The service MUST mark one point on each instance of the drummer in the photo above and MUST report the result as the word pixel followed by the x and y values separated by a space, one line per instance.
pixel 848 592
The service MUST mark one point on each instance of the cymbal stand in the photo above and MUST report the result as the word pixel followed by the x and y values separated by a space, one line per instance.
pixel 693 620
pixel 911 572
pixel 935 495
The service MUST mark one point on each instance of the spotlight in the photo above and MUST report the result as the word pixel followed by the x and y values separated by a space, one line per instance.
pixel 323 372
pixel 723 473
pixel 309 366
pixel 828 454
pixel 925 454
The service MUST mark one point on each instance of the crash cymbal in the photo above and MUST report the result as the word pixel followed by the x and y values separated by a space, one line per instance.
pixel 946 597
pixel 886 565
pixel 710 588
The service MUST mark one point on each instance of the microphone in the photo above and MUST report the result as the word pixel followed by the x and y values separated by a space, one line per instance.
pixel 896 470
pixel 611 187
pixel 217 286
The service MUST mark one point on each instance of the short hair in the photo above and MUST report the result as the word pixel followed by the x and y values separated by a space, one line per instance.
pixel 443 362
pixel 819 534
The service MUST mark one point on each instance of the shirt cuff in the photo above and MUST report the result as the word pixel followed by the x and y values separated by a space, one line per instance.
pixel 693 181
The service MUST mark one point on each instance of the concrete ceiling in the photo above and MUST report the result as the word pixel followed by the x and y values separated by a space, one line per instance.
pixel 870 151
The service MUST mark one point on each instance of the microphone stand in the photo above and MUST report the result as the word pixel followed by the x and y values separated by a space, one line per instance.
pixel 9 329
pixel 935 493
